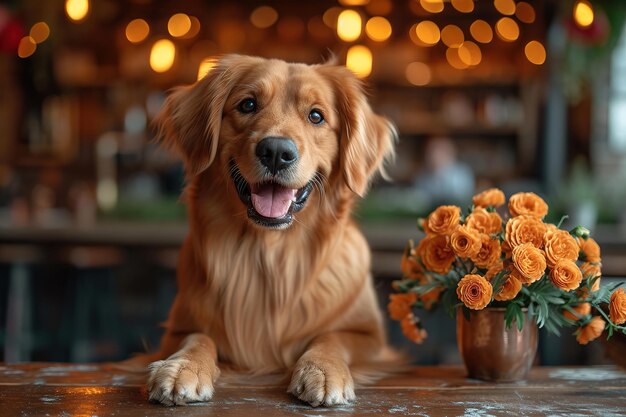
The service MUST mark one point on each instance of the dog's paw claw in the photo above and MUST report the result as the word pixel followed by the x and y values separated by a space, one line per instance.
pixel 180 381
pixel 322 383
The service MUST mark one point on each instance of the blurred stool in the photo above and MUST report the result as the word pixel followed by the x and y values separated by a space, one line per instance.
pixel 94 311
pixel 19 337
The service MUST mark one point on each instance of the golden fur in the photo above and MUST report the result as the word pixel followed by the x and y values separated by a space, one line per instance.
pixel 297 300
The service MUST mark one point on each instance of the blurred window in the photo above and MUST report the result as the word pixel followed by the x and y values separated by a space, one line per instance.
pixel 617 100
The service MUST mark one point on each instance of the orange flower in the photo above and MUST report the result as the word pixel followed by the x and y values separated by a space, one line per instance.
pixel 400 305
pixel 409 265
pixel 436 254
pixel 529 261
pixel 412 330
pixel 474 291
pixel 423 223
pixel 491 197
pixel 510 289
pixel 591 270
pixel 444 220
pixel 525 229
pixel 560 245
pixel 617 306
pixel 566 275
pixel 591 250
pixel 431 297
pixel 580 311
pixel 465 242
pixel 529 204
pixel 489 252
pixel 484 221
pixel 590 331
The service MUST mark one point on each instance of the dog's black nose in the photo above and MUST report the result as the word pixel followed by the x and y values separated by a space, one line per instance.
pixel 277 153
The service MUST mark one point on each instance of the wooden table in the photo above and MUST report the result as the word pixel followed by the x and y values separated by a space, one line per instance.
pixel 44 389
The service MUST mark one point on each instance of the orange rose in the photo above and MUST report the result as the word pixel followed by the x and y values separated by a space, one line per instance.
pixel 580 311
pixel 436 254
pixel 491 197
pixel 560 245
pixel 484 221
pixel 444 220
pixel 510 289
pixel 474 291
pixel 617 306
pixel 529 204
pixel 591 270
pixel 566 275
pixel 465 242
pixel 400 305
pixel 412 330
pixel 529 262
pixel 525 229
pixel 591 250
pixel 489 252
pixel 590 331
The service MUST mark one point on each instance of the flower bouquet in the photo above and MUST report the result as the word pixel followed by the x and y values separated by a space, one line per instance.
pixel 529 269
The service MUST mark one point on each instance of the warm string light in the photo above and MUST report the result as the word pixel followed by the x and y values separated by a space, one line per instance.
pixel 535 52
pixel 77 10
pixel 583 13
pixel 40 32
pixel 359 60
pixel 137 30
pixel 263 17
pixel 378 29
pixel 162 55
pixel 349 25
pixel 179 25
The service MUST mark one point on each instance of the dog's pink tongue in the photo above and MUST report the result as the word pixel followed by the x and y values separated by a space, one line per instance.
pixel 272 200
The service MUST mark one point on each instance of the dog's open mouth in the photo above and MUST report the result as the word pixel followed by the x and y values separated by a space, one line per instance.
pixel 270 204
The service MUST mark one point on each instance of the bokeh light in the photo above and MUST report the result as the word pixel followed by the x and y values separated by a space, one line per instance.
pixel 179 25
pixel 77 10
pixel 470 53
pixel 162 55
pixel 481 31
pixel 452 36
pixel 507 29
pixel 353 2
pixel 453 58
pixel 535 52
pixel 418 73
pixel 506 7
pixel 525 12
pixel 379 7
pixel 263 17
pixel 137 30
pixel 194 29
pixel 349 25
pixel 583 13
pixel 428 32
pixel 26 47
pixel 378 29
pixel 463 6
pixel 359 60
pixel 40 32
pixel 331 16
pixel 433 6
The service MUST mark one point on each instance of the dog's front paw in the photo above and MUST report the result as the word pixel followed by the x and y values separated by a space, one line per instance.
pixel 178 381
pixel 322 382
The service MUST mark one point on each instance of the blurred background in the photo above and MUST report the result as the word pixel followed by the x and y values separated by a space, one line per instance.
pixel 522 95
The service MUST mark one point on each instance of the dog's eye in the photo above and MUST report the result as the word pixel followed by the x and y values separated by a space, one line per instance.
pixel 316 117
pixel 247 105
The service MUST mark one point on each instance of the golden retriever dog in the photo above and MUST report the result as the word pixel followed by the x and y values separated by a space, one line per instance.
pixel 274 275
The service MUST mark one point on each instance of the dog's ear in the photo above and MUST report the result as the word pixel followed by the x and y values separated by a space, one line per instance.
pixel 191 117
pixel 367 139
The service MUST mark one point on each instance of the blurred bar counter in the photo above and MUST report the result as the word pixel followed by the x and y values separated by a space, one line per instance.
pixel 386 239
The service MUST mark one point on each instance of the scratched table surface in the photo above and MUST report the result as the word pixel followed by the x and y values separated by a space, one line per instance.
pixel 44 389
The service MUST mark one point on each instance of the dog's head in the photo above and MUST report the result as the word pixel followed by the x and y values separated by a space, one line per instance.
pixel 280 132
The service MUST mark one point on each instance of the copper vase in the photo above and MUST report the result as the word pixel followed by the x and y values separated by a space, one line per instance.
pixel 492 352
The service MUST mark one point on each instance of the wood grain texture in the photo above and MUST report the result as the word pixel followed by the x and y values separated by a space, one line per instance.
pixel 99 390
